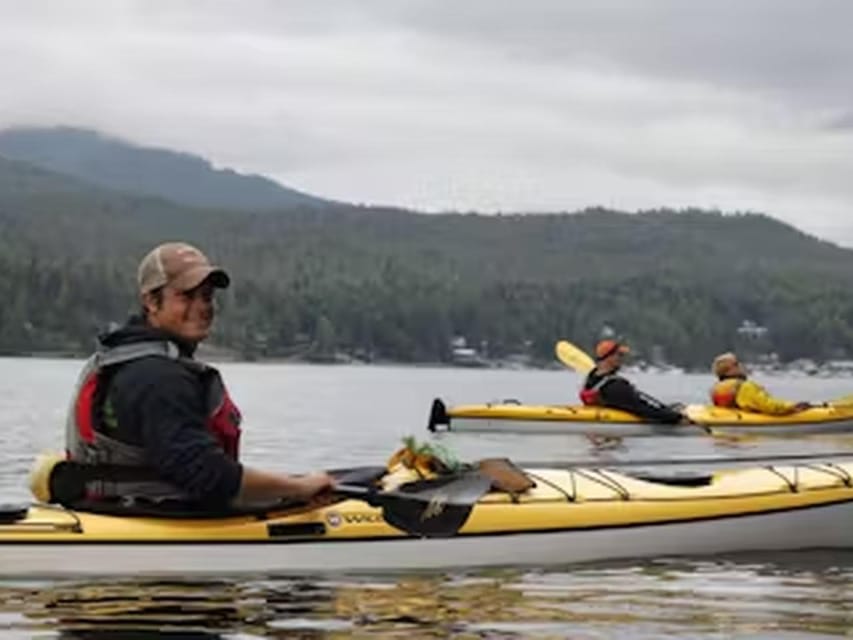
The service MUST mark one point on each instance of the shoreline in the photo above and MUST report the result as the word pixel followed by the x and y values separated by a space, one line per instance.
pixel 226 356
pixel 218 356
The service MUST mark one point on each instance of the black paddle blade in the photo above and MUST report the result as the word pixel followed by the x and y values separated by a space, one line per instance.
pixel 433 508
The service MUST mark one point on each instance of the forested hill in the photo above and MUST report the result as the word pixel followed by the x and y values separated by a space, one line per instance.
pixel 116 164
pixel 392 284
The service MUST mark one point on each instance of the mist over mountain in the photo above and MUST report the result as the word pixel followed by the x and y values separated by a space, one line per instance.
pixel 116 164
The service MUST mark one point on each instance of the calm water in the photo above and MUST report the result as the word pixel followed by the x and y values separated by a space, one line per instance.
pixel 304 417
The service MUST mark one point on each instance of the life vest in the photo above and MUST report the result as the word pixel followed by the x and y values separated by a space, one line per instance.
pixel 87 444
pixel 591 396
pixel 724 393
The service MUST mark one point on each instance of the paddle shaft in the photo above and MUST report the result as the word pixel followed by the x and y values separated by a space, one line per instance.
pixel 354 491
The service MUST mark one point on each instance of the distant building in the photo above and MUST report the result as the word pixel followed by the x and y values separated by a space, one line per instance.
pixel 750 329
pixel 458 342
pixel 467 357
pixel 844 367
pixel 463 355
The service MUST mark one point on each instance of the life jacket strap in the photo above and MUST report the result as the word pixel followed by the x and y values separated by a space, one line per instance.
pixel 592 395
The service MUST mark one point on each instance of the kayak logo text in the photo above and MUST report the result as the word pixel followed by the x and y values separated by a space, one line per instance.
pixel 335 519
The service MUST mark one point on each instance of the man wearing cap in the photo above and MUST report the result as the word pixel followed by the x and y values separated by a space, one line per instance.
pixel 605 387
pixel 149 422
pixel 734 390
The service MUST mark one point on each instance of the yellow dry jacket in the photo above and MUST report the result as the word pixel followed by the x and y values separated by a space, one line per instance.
pixel 749 396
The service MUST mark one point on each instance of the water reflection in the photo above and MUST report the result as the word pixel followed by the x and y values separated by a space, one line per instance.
pixel 804 594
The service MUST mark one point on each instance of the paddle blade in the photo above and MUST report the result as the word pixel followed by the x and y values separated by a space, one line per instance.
pixel 573 357
pixel 434 508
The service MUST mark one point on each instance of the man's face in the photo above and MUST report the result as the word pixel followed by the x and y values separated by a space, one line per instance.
pixel 186 314
pixel 736 369
pixel 613 362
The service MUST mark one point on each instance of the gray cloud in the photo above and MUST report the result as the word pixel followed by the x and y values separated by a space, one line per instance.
pixel 483 104
pixel 800 49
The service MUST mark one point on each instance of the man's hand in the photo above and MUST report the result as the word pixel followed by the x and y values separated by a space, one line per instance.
pixel 311 485
pixel 264 486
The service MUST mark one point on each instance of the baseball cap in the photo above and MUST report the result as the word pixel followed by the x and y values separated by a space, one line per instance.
pixel 179 265
pixel 607 348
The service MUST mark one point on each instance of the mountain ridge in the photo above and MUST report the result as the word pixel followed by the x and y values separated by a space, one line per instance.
pixel 112 162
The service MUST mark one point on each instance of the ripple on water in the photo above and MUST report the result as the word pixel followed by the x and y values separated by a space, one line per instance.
pixel 706 599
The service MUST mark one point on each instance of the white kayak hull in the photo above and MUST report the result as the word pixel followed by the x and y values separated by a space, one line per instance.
pixel 639 429
pixel 545 427
pixel 824 526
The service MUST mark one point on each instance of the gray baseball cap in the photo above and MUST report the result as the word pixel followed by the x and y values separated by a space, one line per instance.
pixel 179 265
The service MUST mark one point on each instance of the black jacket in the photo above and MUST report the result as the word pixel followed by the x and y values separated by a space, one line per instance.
pixel 618 393
pixel 159 405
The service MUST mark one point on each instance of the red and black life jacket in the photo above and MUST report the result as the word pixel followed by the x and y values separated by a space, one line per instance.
pixel 591 396
pixel 87 444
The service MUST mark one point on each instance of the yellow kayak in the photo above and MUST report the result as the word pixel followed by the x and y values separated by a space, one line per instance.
pixel 567 515
pixel 521 418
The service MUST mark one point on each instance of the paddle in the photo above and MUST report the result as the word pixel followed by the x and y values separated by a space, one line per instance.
pixel 573 357
pixel 429 508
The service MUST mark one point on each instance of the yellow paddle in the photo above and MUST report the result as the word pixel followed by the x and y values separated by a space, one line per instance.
pixel 573 357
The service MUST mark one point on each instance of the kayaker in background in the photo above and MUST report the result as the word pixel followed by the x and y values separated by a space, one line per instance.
pixel 734 390
pixel 605 387
pixel 146 407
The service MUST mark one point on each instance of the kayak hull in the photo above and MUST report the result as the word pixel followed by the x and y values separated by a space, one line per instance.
pixel 819 527
pixel 544 427
pixel 581 420
pixel 571 516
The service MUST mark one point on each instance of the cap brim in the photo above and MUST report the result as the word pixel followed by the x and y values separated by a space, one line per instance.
pixel 612 352
pixel 194 277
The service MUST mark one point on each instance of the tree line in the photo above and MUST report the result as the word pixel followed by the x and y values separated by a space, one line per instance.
pixel 387 284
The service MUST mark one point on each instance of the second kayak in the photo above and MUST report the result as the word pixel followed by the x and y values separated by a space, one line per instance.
pixel 514 417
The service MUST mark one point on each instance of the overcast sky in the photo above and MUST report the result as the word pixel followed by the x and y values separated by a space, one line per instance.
pixel 524 105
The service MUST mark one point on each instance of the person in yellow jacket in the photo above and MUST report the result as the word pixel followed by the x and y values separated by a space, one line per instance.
pixel 734 390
